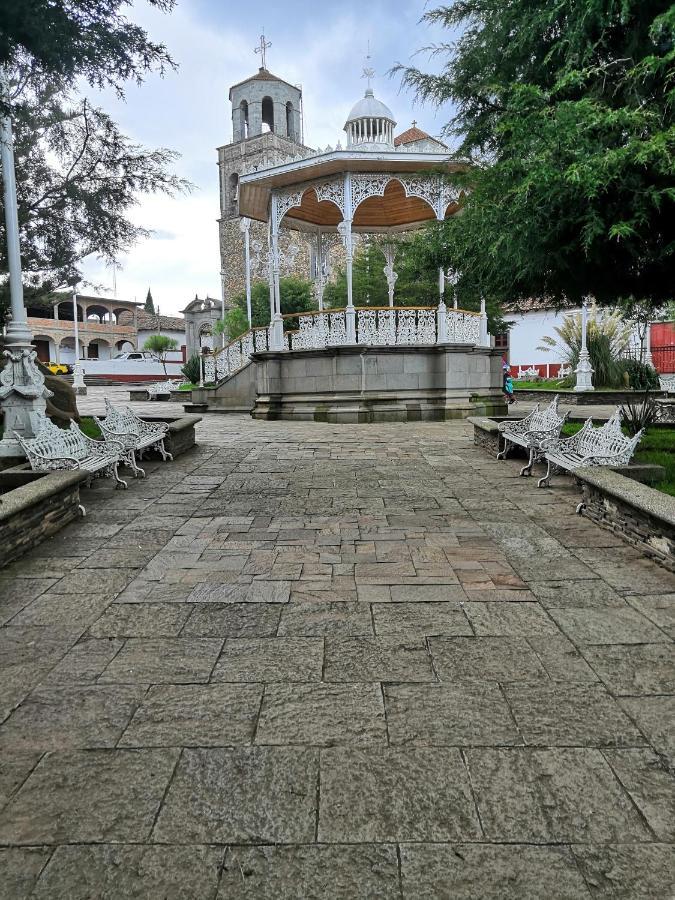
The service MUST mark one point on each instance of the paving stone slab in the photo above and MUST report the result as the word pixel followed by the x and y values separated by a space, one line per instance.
pixel 551 796
pixel 509 619
pixel 253 592
pixel 89 796
pixel 485 658
pixel 251 795
pixel 570 715
pixel 233 620
pixel 14 769
pixel 561 659
pixel 59 610
pixel 590 593
pixel 311 872
pixel 326 618
pixel 637 872
pixel 419 619
pixel 491 872
pixel 658 608
pixel 270 659
pixel 655 717
pixel 16 593
pixel 20 868
pixel 322 715
pixel 163 661
pixel 141 620
pixel 85 662
pixel 651 784
pixel 395 795
pixel 607 626
pixel 449 715
pixel 70 717
pixel 425 593
pixel 635 669
pixel 391 658
pixel 197 715
pixel 109 872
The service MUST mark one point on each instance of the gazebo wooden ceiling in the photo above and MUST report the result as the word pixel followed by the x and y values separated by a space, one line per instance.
pixel 393 211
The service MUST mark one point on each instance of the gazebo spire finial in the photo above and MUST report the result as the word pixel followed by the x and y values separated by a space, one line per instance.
pixel 368 71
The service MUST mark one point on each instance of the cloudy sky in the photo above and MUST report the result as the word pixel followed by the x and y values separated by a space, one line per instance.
pixel 320 46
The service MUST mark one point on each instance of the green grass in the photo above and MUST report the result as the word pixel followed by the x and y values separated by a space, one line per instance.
pixel 89 427
pixel 552 385
pixel 188 386
pixel 656 447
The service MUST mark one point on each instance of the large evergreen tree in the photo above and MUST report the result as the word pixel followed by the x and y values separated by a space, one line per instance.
pixel 564 113
pixel 149 306
pixel 88 38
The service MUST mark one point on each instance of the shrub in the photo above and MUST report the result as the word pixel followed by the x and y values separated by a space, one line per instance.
pixel 638 414
pixel 191 370
pixel 641 377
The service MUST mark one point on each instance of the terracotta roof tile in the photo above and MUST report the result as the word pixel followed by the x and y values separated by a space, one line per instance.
pixel 413 134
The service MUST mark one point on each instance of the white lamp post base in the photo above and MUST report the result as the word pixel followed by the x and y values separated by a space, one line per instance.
pixel 584 373
pixel 22 396
pixel 79 386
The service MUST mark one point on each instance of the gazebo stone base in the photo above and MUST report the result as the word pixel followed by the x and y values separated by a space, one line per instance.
pixel 379 384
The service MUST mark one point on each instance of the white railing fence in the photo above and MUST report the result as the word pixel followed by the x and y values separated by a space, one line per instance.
pixel 374 326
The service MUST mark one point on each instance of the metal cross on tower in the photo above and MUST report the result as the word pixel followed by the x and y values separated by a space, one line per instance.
pixel 262 49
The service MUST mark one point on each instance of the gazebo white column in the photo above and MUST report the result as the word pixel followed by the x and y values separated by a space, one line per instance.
pixel 389 251
pixel 22 385
pixel 442 311
pixel 649 359
pixel 276 332
pixel 78 376
pixel 245 227
pixel 584 370
pixel 346 232
pixel 319 275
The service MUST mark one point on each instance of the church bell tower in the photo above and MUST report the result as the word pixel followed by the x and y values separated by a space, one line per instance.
pixel 266 129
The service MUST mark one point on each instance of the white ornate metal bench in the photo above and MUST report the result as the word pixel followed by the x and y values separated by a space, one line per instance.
pixel 667 383
pixel 604 446
pixel 527 373
pixel 133 433
pixel 564 371
pixel 540 425
pixel 56 448
pixel 163 388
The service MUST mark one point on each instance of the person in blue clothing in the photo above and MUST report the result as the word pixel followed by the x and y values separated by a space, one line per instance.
pixel 507 383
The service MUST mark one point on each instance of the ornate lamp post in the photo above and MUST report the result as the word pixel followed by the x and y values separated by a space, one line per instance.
pixel 78 375
pixel 22 385
pixel 584 370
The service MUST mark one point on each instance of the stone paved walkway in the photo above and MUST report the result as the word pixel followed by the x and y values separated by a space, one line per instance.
pixel 311 661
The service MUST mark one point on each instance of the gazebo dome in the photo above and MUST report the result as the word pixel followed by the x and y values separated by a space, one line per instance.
pixel 370 125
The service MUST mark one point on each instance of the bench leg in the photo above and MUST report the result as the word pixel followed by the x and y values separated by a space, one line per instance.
pixel 130 460
pixel 120 483
pixel 546 480
pixel 83 511
pixel 580 508
pixel 503 453
pixel 164 453
pixel 527 470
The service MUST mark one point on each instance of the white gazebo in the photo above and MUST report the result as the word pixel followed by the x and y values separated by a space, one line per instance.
pixel 369 187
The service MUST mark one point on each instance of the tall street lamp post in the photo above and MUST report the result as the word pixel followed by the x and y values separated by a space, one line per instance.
pixel 22 385
pixel 78 375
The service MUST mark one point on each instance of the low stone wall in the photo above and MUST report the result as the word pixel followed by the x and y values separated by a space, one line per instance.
pixel 379 384
pixel 181 435
pixel 639 514
pixel 33 507
pixel 580 398
pixel 236 394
